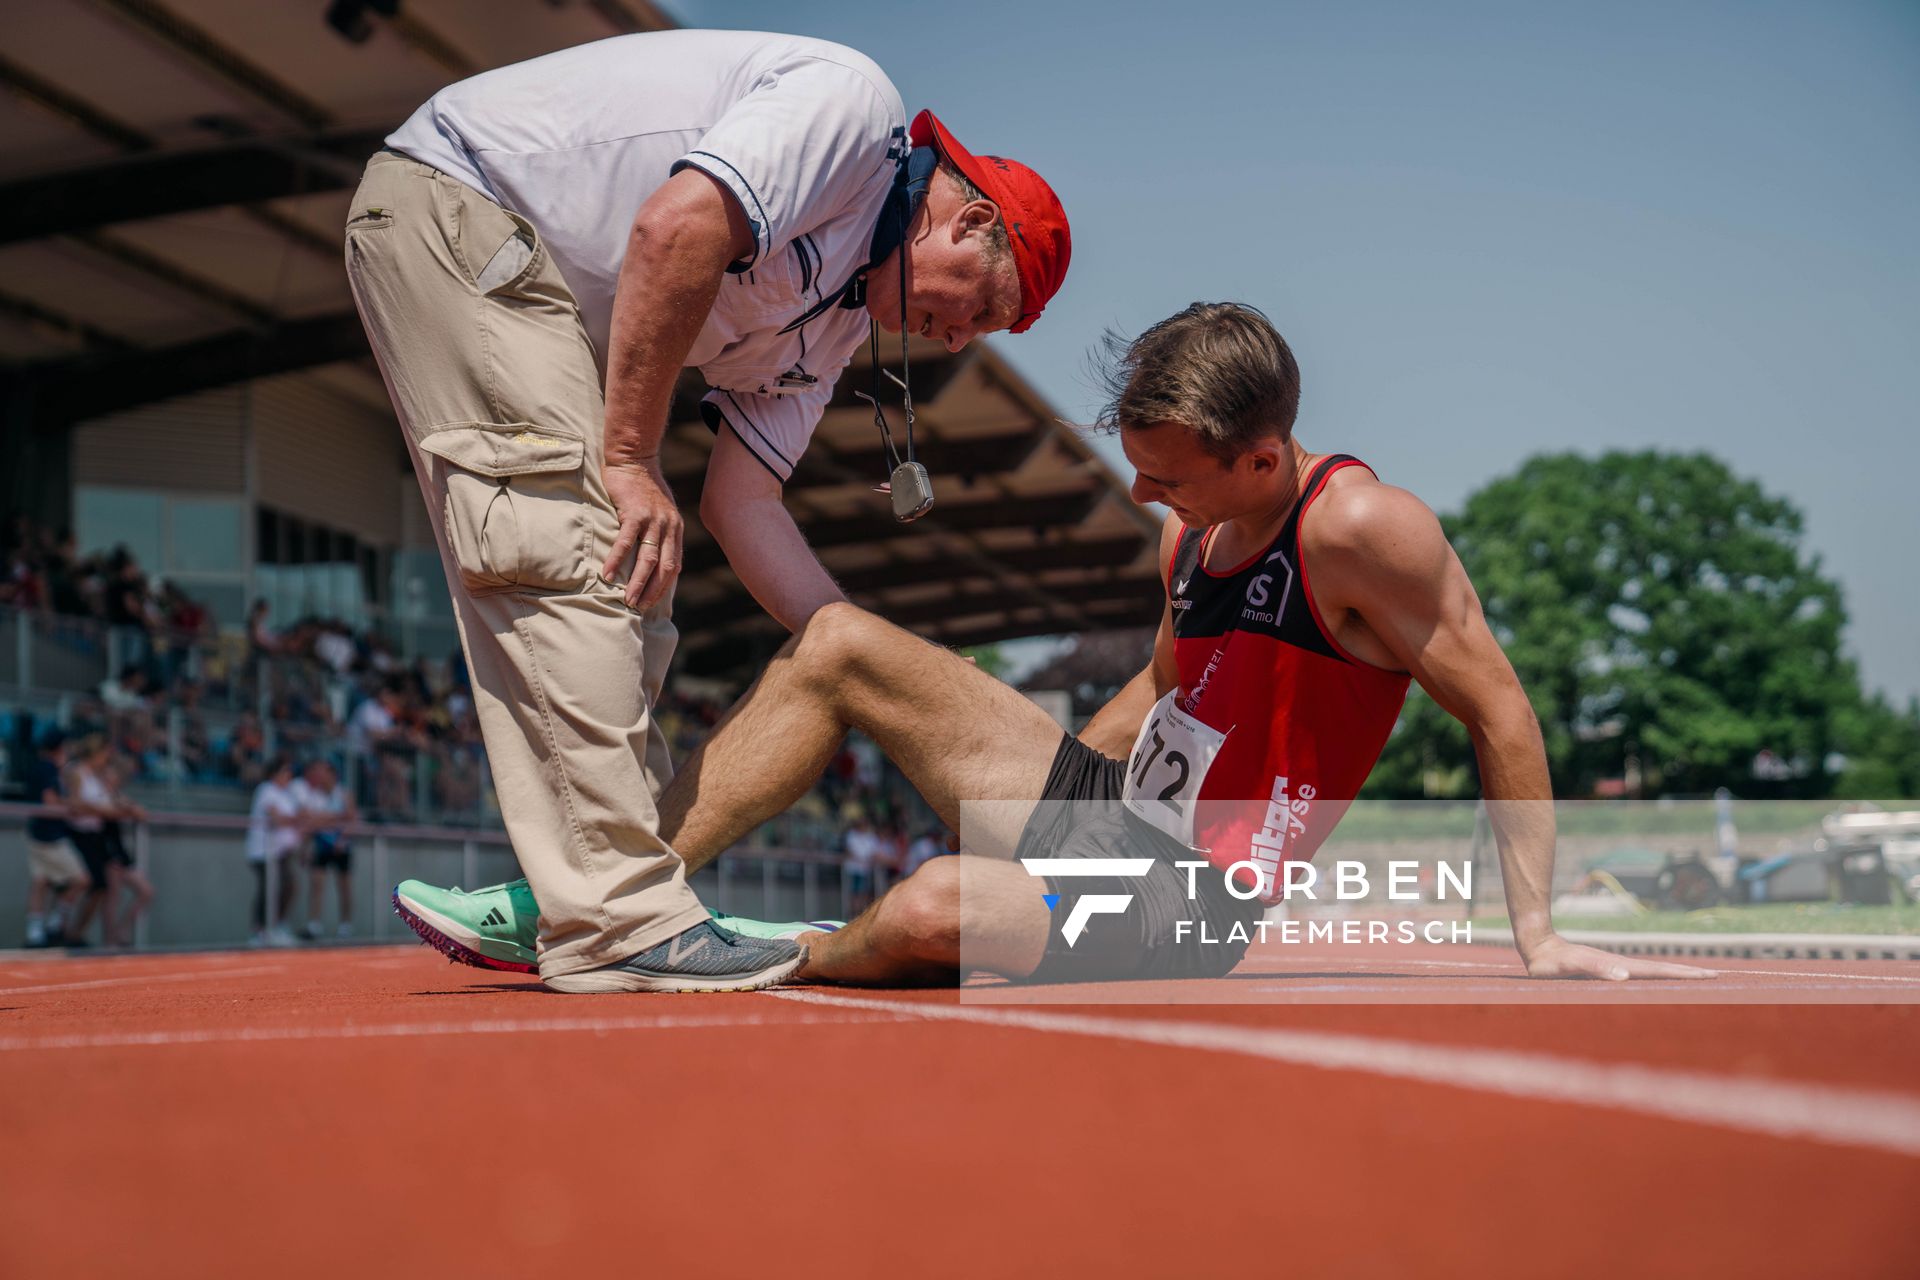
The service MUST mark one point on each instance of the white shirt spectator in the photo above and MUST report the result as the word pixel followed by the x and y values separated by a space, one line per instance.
pixel 371 722
pixel 264 839
pixel 863 848
pixel 93 793
pixel 118 697
pixel 336 650
pixel 806 134
pixel 311 799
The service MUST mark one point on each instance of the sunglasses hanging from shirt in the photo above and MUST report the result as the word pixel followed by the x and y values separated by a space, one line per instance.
pixel 908 485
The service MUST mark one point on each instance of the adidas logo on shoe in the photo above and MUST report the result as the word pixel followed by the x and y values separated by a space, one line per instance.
pixel 494 917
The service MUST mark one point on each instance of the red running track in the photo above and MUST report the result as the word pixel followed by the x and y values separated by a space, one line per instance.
pixel 373 1111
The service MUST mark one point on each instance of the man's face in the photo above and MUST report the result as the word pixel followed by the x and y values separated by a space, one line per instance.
pixel 955 290
pixel 1171 468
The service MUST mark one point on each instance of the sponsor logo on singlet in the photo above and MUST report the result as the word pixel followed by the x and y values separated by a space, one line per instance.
pixel 1264 603
pixel 1199 690
pixel 1286 817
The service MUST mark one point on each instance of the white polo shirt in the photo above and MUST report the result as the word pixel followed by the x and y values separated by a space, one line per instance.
pixel 264 839
pixel 806 134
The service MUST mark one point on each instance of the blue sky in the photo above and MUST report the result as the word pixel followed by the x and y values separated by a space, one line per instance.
pixel 1489 230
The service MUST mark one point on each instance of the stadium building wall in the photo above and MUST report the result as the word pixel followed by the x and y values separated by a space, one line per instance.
pixel 284 488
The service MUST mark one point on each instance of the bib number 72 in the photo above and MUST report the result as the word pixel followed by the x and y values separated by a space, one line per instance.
pixel 1167 768
pixel 1176 771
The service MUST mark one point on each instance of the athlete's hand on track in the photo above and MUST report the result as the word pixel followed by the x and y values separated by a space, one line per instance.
pixel 1555 957
pixel 651 532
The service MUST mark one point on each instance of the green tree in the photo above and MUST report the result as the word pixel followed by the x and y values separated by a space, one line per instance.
pixel 1665 621
pixel 1882 747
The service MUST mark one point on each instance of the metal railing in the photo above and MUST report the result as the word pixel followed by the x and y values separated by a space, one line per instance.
pixel 204 893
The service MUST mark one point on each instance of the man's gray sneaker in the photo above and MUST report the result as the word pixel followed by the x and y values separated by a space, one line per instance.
pixel 704 958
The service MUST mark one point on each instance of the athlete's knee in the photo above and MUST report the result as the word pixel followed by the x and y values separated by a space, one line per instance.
pixel 922 913
pixel 833 641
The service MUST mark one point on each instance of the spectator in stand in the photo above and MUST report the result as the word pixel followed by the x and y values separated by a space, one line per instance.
pixel 923 850
pixel 185 617
pixel 327 811
pixel 263 644
pixel 893 846
pixel 333 646
pixel 127 691
pixel 274 830
pixel 66 576
pixel 125 605
pixel 196 745
pixel 25 583
pixel 87 800
pixel 863 848
pixel 129 713
pixel 54 870
pixel 376 721
pixel 456 779
pixel 124 877
pixel 300 711
pixel 179 624
pixel 247 750
pixel 385 744
pixel 92 802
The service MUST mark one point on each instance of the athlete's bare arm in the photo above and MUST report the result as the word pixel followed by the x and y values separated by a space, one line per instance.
pixel 742 508
pixel 1390 589
pixel 1114 727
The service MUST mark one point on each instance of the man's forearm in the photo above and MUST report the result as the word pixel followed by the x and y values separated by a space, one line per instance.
pixel 666 290
pixel 774 562
pixel 1114 727
pixel 1519 796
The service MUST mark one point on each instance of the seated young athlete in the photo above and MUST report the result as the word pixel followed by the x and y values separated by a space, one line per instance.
pixel 1302 596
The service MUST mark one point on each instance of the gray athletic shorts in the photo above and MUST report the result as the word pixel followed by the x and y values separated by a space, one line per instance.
pixel 1080 816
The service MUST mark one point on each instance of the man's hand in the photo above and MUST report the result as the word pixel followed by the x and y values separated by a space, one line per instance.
pixel 1555 957
pixel 651 532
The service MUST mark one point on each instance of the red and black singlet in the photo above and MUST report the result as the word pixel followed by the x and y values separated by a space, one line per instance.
pixel 1273 728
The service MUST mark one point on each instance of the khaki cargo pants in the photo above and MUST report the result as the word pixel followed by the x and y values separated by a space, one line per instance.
pixel 496 389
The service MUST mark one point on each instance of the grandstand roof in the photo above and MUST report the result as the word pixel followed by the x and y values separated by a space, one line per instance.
pixel 173 177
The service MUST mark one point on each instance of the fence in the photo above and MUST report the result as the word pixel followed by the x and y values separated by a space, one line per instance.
pixel 198 865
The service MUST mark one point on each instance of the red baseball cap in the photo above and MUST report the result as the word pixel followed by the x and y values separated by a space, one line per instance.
pixel 1036 224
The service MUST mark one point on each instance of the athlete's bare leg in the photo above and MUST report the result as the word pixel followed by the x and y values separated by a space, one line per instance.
pixel 912 936
pixel 956 732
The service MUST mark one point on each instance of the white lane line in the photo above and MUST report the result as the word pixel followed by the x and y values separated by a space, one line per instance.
pixel 1734 968
pixel 478 1027
pixel 194 976
pixel 1837 1114
pixel 1819 973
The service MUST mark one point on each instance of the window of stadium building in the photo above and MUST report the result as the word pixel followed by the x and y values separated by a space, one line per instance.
pixel 305 569
pixel 193 541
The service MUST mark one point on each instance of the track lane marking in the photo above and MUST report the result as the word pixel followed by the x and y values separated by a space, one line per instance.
pixel 402 1030
pixel 1821 973
pixel 192 976
pixel 1724 969
pixel 1834 1114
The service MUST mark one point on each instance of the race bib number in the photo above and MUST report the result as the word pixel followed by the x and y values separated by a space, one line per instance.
pixel 1169 762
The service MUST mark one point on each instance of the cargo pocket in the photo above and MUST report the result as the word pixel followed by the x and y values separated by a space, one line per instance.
pixel 516 506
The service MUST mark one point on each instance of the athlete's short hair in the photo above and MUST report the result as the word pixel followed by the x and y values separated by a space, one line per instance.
pixel 1219 369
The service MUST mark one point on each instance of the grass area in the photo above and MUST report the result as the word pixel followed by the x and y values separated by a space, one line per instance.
pixel 1785 917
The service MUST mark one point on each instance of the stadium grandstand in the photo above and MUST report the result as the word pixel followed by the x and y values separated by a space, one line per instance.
pixel 215 551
